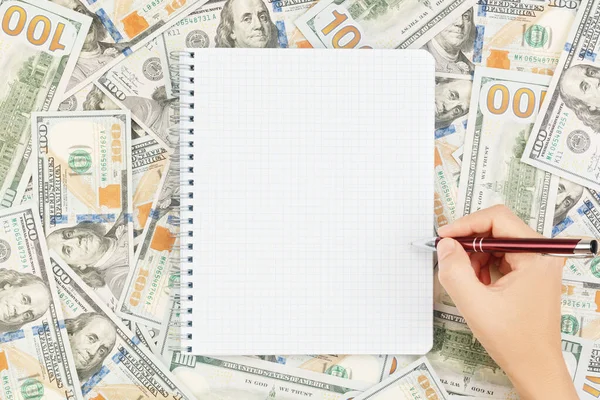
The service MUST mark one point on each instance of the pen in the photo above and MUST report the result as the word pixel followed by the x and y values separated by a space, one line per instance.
pixel 563 247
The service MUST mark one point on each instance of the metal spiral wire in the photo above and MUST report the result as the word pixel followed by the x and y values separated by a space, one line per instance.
pixel 180 329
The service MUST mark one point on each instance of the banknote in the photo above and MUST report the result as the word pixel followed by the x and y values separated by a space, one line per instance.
pixel 577 214
pixel 148 156
pixel 503 107
pixel 565 139
pixel 207 26
pixel 148 290
pixel 91 98
pixel 138 84
pixel 363 368
pixel 415 381
pixel 591 384
pixel 471 371
pixel 110 360
pixel 35 355
pixel 35 73
pixel 149 162
pixel 522 35
pixel 580 309
pixel 83 186
pixel 452 100
pixel 246 378
pixel 482 377
pixel 118 29
pixel 379 23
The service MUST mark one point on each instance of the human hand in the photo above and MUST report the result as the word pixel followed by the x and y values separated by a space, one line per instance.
pixel 516 318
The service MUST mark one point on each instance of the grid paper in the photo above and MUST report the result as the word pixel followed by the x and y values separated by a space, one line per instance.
pixel 313 174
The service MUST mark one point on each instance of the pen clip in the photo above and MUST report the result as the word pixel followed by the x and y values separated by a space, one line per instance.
pixel 569 255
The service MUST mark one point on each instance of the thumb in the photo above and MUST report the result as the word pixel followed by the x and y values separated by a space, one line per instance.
pixel 456 273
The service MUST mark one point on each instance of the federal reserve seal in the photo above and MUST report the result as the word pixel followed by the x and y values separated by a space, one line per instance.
pixel 578 141
pixel 337 370
pixel 569 324
pixel 32 389
pixel 196 39
pixel 152 69
pixel 80 161
pixel 536 36
pixel 4 250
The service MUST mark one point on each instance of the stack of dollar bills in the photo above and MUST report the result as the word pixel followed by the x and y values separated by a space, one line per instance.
pixel 89 185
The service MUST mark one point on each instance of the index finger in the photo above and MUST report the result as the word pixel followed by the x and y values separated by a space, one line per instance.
pixel 497 221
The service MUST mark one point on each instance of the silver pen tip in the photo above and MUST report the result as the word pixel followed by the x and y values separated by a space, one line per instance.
pixel 428 243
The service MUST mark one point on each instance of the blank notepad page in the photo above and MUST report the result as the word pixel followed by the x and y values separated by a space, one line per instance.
pixel 313 173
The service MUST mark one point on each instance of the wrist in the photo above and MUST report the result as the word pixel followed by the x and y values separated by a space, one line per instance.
pixel 548 379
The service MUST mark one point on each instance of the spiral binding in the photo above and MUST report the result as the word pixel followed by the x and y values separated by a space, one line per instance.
pixel 182 70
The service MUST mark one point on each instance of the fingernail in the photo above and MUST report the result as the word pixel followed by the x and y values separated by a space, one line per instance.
pixel 442 229
pixel 444 248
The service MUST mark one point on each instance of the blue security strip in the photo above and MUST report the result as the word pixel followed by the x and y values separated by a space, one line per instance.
pixel 568 46
pixel 281 35
pixel 59 219
pixel 90 2
pixel 94 380
pixel 127 51
pixel 478 45
pixel 11 336
pixel 440 133
pixel 98 218
pixel 481 10
pixel 276 6
pixel 561 226
pixel 128 217
pixel 40 329
pixel 136 340
pixel 108 24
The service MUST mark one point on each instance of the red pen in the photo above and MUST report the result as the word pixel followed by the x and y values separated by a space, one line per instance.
pixel 562 247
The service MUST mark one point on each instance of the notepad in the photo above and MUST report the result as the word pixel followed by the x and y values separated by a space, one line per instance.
pixel 309 174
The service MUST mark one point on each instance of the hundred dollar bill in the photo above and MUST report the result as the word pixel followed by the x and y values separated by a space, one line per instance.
pixel 580 309
pixel 110 361
pixel 148 290
pixel 519 35
pixel 522 35
pixel 483 377
pixel 83 186
pixel 35 355
pixel 207 27
pixel 119 29
pixel 577 214
pixel 565 139
pixel 474 372
pixel 452 101
pixel 246 378
pixel 149 164
pixel 378 24
pixel 148 156
pixel 91 98
pixel 503 107
pixel 363 368
pixel 35 74
pixel 138 84
pixel 415 381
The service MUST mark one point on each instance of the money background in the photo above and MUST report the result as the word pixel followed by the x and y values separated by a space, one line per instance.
pixel 122 58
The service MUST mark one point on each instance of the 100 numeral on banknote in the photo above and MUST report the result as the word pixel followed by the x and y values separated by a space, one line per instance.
pixel 40 44
pixel 503 107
